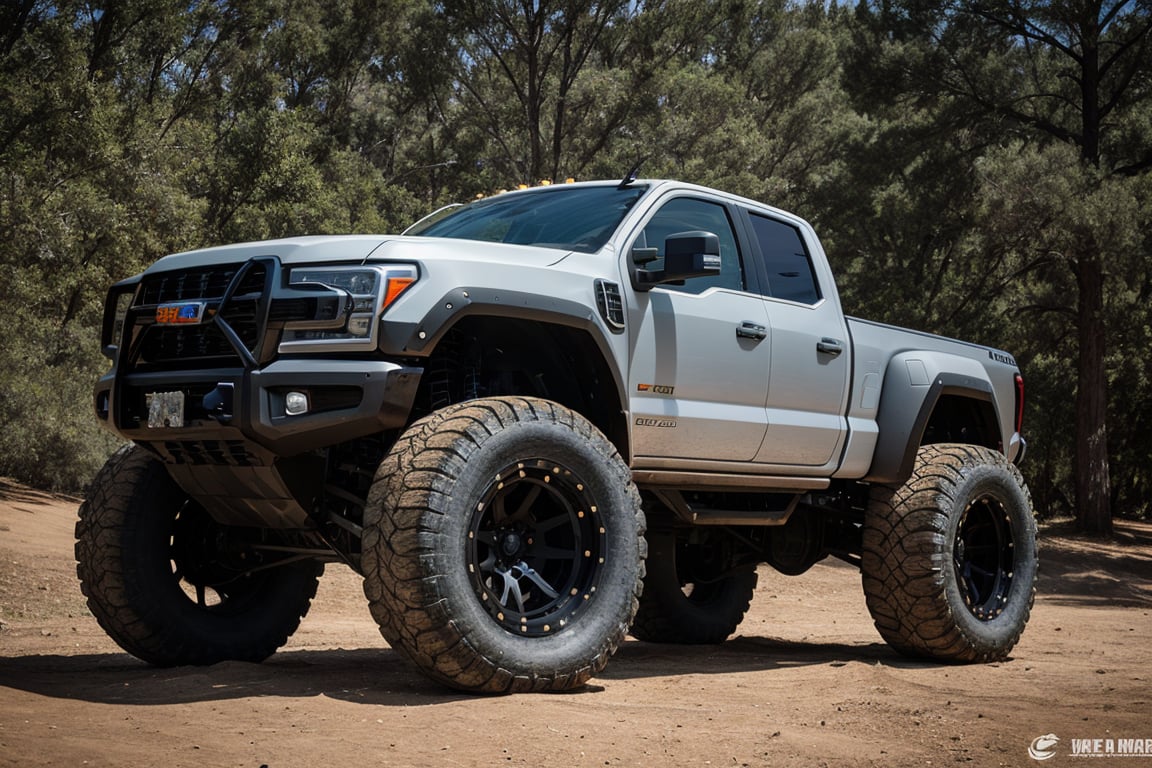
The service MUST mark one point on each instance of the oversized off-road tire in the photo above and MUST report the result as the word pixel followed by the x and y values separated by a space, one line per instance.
pixel 503 546
pixel 949 558
pixel 693 593
pixel 170 585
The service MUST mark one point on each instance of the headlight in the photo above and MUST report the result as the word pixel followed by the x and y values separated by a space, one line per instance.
pixel 373 290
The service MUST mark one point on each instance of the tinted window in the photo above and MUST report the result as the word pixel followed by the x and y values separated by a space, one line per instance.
pixel 790 274
pixel 686 215
pixel 568 218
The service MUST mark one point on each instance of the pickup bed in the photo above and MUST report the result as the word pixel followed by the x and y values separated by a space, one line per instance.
pixel 537 422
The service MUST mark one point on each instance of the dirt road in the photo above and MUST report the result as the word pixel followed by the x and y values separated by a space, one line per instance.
pixel 806 682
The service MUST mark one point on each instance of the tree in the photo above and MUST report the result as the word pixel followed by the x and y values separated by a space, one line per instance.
pixel 1075 73
pixel 518 64
pixel 756 107
pixel 545 90
pixel 86 198
pixel 1089 63
pixel 132 129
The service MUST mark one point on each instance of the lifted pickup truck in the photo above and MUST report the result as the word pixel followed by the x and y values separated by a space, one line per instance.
pixel 535 423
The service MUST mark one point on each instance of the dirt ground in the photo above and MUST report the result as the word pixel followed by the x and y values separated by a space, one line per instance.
pixel 806 681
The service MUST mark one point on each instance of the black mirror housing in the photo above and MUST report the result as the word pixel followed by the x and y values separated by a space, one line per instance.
pixel 691 254
pixel 686 255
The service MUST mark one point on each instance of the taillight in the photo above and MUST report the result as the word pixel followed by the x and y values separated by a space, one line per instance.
pixel 1019 404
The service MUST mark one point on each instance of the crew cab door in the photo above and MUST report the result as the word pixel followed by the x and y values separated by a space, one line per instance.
pixel 808 384
pixel 702 350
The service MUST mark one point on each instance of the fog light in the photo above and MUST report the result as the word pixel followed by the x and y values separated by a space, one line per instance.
pixel 295 403
pixel 360 325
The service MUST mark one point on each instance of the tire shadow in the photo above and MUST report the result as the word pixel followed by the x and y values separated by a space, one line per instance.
pixel 382 677
pixel 743 654
pixel 372 676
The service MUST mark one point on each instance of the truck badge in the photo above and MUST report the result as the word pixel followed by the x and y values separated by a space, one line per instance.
pixel 185 313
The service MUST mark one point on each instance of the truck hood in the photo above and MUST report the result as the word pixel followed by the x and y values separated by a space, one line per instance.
pixel 361 248
pixel 472 251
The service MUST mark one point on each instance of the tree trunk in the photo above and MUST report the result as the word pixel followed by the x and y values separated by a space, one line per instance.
pixel 1093 485
pixel 1093 511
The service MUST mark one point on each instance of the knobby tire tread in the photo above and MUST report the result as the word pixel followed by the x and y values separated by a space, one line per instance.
pixel 128 606
pixel 407 509
pixel 906 558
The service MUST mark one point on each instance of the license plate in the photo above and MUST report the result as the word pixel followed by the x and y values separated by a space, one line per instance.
pixel 165 409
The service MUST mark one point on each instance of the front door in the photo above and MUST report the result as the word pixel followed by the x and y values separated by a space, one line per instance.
pixel 702 351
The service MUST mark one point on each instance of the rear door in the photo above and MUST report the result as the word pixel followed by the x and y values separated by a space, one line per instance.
pixel 809 370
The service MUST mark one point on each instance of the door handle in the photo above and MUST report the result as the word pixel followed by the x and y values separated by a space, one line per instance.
pixel 750 330
pixel 830 346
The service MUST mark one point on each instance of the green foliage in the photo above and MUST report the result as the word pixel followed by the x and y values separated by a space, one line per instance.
pixel 50 439
pixel 131 131
pixel 947 153
pixel 1015 134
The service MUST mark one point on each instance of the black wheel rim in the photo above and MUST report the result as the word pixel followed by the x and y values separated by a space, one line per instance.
pixel 983 557
pixel 535 547
pixel 208 565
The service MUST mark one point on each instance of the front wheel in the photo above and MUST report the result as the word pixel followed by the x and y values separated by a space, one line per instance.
pixel 172 586
pixel 503 546
pixel 949 559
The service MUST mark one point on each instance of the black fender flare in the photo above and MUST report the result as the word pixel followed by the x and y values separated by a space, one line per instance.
pixel 420 338
pixel 903 418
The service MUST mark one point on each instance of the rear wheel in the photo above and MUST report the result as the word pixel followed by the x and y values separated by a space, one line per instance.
pixel 694 591
pixel 503 546
pixel 172 586
pixel 949 559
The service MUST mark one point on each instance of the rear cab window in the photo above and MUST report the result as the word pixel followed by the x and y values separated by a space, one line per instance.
pixel 786 260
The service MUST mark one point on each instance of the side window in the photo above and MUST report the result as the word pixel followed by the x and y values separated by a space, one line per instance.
pixel 790 274
pixel 687 215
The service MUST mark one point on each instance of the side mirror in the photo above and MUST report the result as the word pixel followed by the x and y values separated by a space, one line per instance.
pixel 686 254
pixel 691 254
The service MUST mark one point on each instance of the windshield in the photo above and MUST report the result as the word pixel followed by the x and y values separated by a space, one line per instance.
pixel 567 218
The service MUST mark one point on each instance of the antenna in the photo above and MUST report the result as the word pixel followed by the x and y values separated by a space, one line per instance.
pixel 630 177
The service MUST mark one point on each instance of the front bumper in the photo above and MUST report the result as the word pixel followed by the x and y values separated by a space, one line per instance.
pixel 353 398
pixel 236 449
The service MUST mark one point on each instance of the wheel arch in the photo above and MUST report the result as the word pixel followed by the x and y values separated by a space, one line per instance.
pixel 561 356
pixel 919 409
